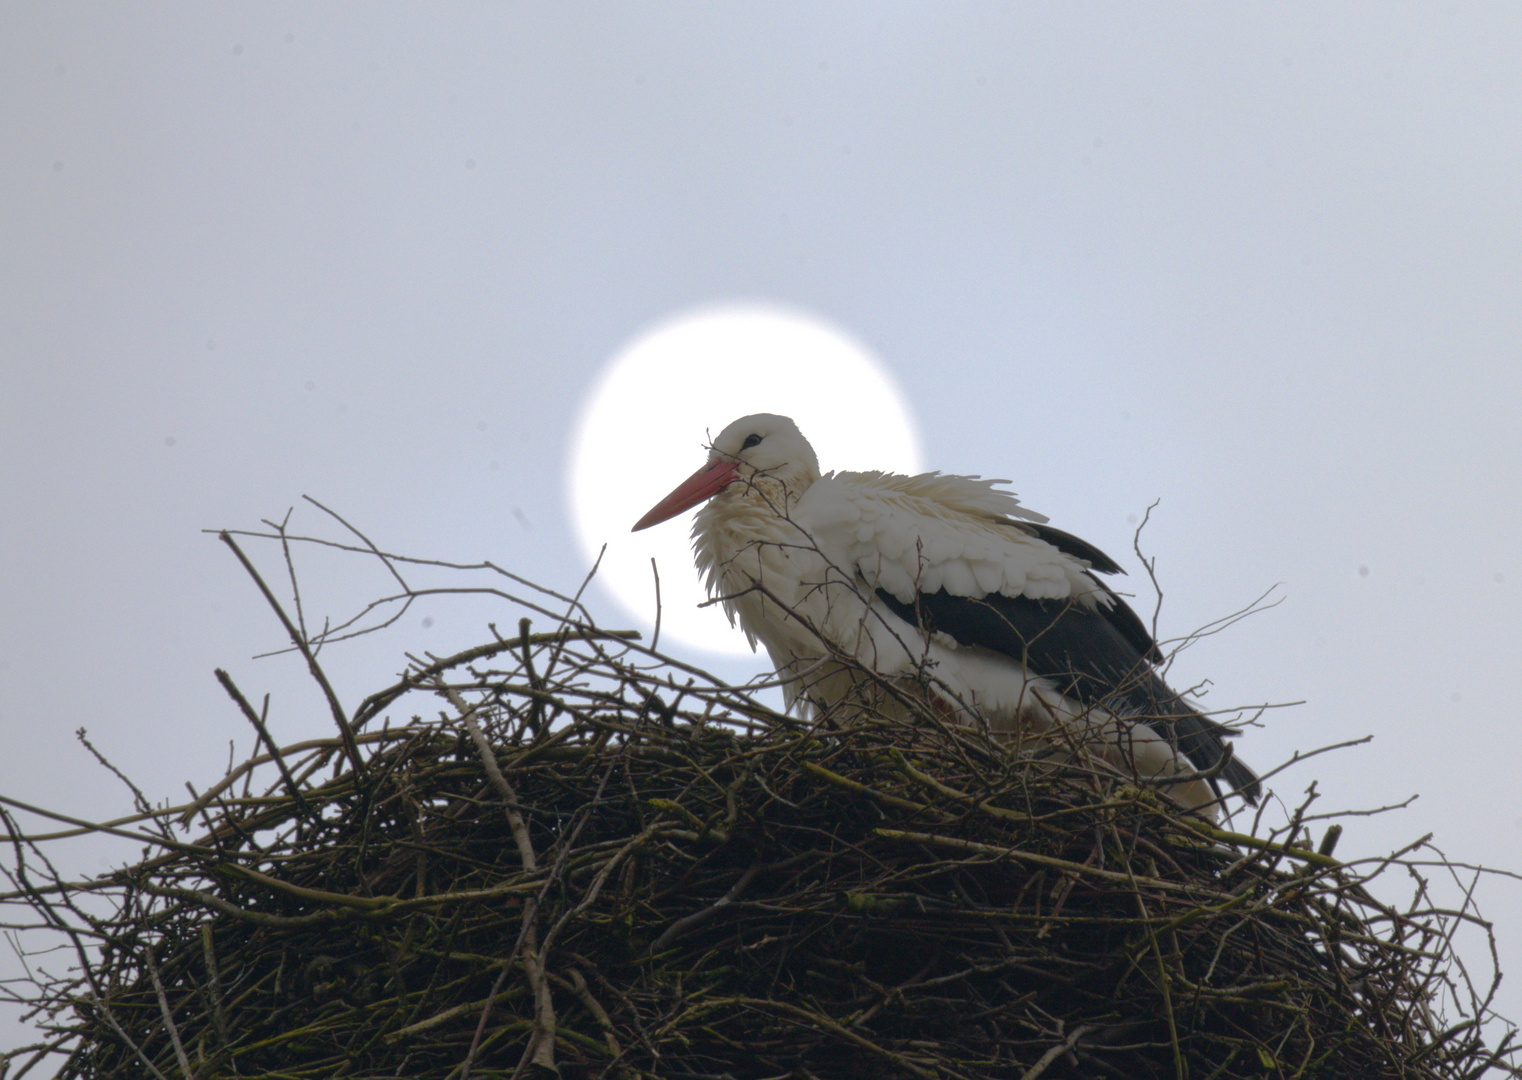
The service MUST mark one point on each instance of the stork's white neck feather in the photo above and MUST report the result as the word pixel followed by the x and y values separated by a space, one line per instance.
pixel 741 536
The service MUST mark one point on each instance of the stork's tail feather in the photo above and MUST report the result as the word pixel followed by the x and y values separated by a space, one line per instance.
pixel 1204 742
pixel 1243 781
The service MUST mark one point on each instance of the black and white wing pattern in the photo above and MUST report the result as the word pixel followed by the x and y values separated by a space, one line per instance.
pixel 956 558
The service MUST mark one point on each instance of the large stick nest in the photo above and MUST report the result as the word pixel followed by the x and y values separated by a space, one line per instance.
pixel 599 862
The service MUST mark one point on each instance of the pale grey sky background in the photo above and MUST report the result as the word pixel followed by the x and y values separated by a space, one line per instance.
pixel 1262 263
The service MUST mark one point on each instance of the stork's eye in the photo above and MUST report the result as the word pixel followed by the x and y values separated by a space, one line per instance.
pixel 751 440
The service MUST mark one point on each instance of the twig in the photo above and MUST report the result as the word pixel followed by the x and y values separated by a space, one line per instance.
pixel 264 735
pixel 168 1014
pixel 1066 1046
pixel 218 1009
pixel 345 731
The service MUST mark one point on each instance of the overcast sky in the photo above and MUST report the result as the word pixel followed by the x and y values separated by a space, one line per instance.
pixel 1263 264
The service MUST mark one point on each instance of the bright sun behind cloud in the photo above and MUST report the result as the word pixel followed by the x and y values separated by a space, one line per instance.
pixel 646 423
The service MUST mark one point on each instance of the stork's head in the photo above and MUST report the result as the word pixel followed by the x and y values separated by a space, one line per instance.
pixel 757 452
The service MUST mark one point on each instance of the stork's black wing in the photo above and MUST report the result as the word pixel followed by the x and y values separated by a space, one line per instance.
pixel 1120 616
pixel 1093 656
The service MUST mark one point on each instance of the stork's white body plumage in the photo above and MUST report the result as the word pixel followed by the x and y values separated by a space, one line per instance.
pixel 811 572
pixel 945 584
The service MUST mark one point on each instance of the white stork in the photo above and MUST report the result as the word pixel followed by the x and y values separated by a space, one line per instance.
pixel 943 583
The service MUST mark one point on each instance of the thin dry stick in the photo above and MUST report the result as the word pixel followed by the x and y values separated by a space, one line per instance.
pixel 218 1009
pixel 264 735
pixel 541 1048
pixel 1045 1060
pixel 346 732
pixel 167 1013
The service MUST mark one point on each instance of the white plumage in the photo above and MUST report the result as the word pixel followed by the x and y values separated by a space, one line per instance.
pixel 946 586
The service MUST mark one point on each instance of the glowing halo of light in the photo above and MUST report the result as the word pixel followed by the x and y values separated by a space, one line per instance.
pixel 645 423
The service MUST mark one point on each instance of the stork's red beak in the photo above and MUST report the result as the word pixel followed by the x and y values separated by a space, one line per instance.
pixel 703 484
